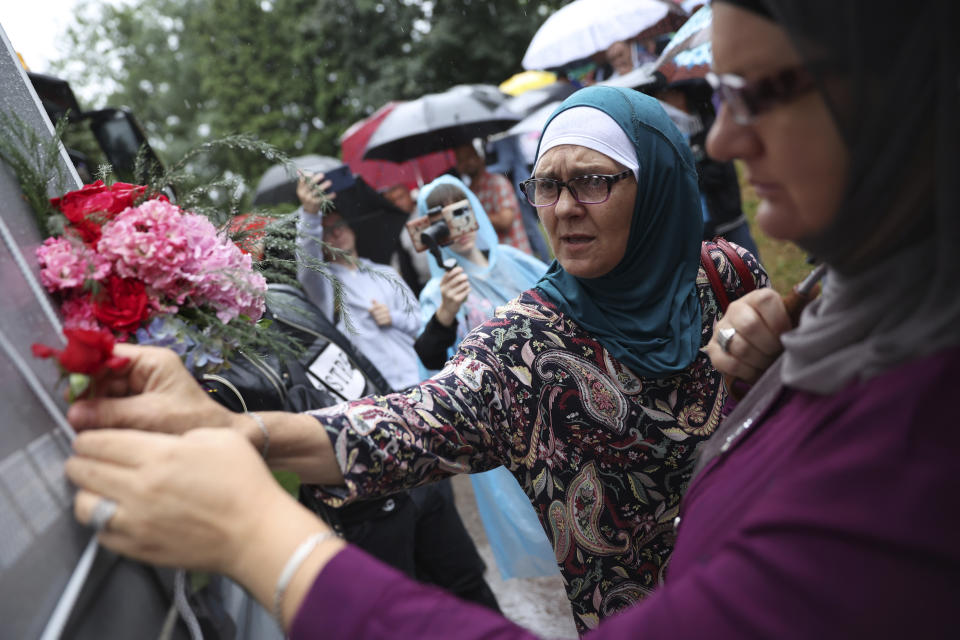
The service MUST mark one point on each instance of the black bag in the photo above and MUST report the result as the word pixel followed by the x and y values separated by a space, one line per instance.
pixel 328 371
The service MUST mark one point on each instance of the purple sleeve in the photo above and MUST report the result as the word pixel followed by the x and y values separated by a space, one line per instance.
pixel 807 531
pixel 355 596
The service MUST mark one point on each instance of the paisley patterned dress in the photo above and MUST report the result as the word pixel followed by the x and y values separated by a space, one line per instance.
pixel 604 455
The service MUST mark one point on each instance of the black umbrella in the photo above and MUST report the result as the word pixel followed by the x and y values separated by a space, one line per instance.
pixel 440 121
pixel 374 219
pixel 278 184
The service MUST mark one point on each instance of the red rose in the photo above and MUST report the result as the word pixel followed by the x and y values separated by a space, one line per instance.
pixel 122 304
pixel 94 204
pixel 86 352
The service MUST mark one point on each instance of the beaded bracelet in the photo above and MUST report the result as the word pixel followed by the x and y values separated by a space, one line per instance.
pixel 266 433
pixel 296 559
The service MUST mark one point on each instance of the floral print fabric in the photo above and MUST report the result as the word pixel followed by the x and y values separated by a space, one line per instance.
pixel 604 455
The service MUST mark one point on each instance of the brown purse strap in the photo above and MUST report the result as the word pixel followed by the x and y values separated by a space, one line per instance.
pixel 719 291
pixel 716 283
pixel 746 277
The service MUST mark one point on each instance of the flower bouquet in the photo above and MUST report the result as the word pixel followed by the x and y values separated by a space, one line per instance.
pixel 132 266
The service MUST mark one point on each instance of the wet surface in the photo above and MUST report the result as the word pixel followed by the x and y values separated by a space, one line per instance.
pixel 538 604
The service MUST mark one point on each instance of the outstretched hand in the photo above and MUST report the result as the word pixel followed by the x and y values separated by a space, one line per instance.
pixel 758 319
pixel 153 392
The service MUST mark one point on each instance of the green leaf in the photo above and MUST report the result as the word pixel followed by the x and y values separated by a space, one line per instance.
pixel 77 384
pixel 289 481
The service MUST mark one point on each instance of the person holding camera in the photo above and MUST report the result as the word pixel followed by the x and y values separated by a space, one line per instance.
pixel 409 263
pixel 496 195
pixel 487 275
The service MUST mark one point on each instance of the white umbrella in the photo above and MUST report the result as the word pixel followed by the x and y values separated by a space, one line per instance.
pixel 642 79
pixel 584 27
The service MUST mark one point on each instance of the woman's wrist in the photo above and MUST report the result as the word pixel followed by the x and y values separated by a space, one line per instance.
pixel 444 317
pixel 262 548
pixel 255 428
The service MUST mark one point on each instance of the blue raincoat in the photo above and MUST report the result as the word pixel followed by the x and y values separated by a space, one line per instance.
pixel 519 544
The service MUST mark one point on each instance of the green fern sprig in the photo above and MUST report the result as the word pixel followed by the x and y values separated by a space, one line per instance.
pixel 35 161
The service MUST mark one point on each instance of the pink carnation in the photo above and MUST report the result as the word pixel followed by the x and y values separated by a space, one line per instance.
pixel 78 313
pixel 228 282
pixel 180 256
pixel 67 265
pixel 147 243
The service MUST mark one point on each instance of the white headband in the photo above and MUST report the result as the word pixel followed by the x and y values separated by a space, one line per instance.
pixel 593 129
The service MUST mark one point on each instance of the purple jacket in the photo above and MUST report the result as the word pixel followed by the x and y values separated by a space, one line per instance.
pixel 832 517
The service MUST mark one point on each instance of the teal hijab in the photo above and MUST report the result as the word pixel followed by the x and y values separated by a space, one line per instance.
pixel 645 312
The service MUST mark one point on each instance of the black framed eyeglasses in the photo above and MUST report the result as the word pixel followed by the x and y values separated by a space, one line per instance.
pixel 589 189
pixel 747 100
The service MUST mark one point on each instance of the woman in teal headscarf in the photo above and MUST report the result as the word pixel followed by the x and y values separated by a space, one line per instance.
pixel 590 388
pixel 487 274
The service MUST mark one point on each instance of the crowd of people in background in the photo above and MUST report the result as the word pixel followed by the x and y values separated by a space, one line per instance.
pixel 813 507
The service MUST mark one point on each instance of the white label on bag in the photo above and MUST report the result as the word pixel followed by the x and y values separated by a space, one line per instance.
pixel 332 369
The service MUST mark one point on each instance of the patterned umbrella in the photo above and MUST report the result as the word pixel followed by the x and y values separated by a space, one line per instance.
pixel 688 55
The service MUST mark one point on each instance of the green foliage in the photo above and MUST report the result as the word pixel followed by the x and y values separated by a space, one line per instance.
pixel 478 41
pixel 785 262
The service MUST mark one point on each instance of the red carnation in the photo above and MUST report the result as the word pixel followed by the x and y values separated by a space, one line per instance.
pixel 122 304
pixel 86 352
pixel 91 206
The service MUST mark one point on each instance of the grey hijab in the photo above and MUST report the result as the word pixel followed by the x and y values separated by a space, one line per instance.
pixel 889 72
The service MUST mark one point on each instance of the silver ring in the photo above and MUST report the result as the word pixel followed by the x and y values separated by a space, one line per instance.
pixel 724 336
pixel 102 512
